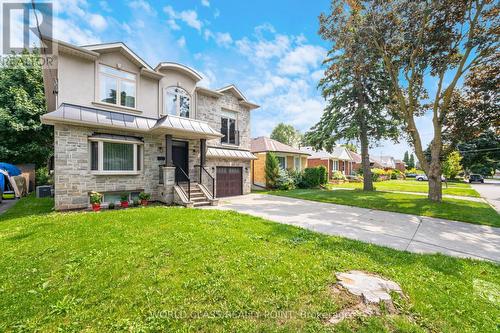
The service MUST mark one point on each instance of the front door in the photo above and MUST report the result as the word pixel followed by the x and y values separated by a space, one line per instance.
pixel 180 157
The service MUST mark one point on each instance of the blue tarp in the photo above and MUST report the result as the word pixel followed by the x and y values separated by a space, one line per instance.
pixel 12 170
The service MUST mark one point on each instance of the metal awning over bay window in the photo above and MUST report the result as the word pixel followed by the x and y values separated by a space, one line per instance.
pixel 180 127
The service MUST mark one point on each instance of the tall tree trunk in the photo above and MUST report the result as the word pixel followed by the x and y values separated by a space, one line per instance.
pixel 365 159
pixel 434 174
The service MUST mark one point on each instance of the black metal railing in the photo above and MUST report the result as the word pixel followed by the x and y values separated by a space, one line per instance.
pixel 205 179
pixel 180 171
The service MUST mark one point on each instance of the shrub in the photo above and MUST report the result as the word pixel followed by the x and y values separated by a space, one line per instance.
pixel 285 181
pixel 297 177
pixel 43 177
pixel 136 203
pixel 337 175
pixel 111 205
pixel 323 175
pixel 313 177
pixel 124 198
pixel 380 174
pixel 272 170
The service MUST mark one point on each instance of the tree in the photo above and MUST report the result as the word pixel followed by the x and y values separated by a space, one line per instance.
pixel 437 40
pixel 481 154
pixel 23 139
pixel 272 170
pixel 452 166
pixel 406 159
pixel 411 161
pixel 286 134
pixel 355 86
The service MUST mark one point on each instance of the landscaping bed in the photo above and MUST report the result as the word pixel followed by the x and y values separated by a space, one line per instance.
pixel 177 269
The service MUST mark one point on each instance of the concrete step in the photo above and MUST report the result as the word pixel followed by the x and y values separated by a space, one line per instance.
pixel 201 203
pixel 198 199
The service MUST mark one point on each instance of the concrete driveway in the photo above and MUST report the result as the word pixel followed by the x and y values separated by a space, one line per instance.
pixel 399 231
pixel 490 191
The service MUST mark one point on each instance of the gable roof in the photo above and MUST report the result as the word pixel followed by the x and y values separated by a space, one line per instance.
pixel 119 46
pixel 235 91
pixel 264 144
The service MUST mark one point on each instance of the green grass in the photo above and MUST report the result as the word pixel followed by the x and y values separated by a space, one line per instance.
pixel 411 185
pixel 164 269
pixel 451 209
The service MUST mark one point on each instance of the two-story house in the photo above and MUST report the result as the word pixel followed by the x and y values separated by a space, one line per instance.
pixel 122 127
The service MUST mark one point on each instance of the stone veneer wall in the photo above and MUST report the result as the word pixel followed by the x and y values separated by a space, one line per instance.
pixel 209 110
pixel 73 178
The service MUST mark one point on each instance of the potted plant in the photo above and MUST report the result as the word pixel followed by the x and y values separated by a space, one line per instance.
pixel 124 200
pixel 111 205
pixel 95 201
pixel 144 197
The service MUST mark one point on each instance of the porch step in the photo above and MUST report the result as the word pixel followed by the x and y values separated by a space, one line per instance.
pixel 201 203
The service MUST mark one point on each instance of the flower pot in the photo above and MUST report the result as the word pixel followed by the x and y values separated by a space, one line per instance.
pixel 144 202
pixel 124 204
pixel 96 207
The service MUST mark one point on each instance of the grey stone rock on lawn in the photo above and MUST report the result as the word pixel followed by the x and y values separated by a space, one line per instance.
pixel 372 288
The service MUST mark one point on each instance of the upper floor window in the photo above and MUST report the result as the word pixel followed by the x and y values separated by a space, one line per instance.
pixel 177 102
pixel 117 87
pixel 228 128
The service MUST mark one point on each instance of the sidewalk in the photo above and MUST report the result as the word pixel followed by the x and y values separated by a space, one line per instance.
pixel 399 231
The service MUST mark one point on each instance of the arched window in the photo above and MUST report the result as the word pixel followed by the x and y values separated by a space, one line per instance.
pixel 177 102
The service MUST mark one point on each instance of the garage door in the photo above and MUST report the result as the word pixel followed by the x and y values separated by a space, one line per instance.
pixel 229 181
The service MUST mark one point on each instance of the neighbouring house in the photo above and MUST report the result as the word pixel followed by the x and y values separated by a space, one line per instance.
pixel 122 127
pixel 289 158
pixel 356 161
pixel 387 162
pixel 338 160
pixel 400 165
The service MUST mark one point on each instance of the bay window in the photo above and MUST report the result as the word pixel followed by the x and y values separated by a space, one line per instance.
pixel 117 87
pixel 115 157
pixel 177 102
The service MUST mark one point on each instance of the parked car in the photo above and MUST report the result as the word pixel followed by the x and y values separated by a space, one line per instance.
pixel 422 178
pixel 476 178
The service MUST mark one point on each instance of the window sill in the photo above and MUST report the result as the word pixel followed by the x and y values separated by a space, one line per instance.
pixel 116 173
pixel 118 107
pixel 229 145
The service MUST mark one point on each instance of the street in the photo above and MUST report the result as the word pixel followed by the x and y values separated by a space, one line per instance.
pixel 490 190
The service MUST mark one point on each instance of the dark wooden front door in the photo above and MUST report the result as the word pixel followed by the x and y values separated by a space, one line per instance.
pixel 229 181
pixel 180 157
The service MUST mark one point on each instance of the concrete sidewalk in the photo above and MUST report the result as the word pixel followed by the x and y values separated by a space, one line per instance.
pixel 399 231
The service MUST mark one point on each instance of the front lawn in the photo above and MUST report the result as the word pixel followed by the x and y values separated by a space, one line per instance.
pixel 411 185
pixel 167 269
pixel 451 209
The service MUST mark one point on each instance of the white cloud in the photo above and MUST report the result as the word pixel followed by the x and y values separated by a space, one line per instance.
pixel 173 25
pixel 317 75
pixel 189 17
pixel 223 38
pixel 207 34
pixel 143 6
pixel 205 3
pixel 208 78
pixel 105 6
pixel 98 22
pixel 216 13
pixel 67 30
pixel 301 59
pixel 181 42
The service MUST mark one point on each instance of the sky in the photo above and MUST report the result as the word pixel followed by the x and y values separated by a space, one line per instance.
pixel 269 49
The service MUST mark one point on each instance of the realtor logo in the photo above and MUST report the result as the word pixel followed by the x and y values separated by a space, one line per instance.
pixel 22 25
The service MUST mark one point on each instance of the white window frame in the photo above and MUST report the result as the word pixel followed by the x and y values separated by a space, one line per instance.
pixel 177 106
pixel 118 86
pixel 286 161
pixel 295 160
pixel 335 165
pixel 100 157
